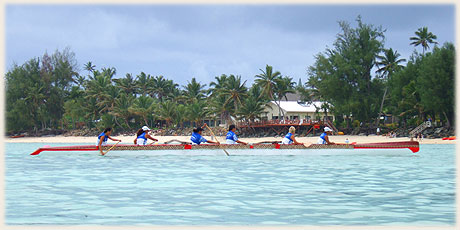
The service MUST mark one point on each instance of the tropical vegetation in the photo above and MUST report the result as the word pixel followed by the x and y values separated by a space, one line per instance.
pixel 357 78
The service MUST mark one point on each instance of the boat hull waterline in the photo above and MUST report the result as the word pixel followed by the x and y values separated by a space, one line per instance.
pixel 411 145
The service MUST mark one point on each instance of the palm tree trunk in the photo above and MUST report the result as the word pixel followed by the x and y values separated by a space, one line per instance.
pixel 447 119
pixel 281 111
pixel 381 106
pixel 116 122
pixel 127 123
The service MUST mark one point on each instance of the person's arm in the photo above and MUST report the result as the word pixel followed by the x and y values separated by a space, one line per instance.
pixel 244 143
pixel 113 139
pixel 295 141
pixel 214 142
pixel 100 143
pixel 135 141
pixel 327 140
pixel 150 137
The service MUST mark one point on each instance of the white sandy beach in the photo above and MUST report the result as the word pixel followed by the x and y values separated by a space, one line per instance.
pixel 162 139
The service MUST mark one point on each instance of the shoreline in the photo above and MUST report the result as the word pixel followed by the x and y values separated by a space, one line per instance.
pixel 162 139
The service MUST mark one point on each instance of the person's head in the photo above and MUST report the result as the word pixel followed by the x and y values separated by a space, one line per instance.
pixel 292 129
pixel 232 128
pixel 108 130
pixel 198 130
pixel 142 130
pixel 327 130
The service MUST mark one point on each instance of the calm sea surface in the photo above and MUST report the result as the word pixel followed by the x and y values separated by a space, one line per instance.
pixel 353 188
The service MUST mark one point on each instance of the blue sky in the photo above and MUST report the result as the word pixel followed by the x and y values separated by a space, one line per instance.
pixel 205 41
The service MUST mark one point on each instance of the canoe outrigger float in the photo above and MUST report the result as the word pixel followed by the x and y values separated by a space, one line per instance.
pixel 411 145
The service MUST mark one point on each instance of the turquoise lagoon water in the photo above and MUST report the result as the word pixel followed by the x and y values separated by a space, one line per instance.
pixel 326 189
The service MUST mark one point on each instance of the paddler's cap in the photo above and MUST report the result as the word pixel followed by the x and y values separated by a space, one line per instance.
pixel 145 128
pixel 327 129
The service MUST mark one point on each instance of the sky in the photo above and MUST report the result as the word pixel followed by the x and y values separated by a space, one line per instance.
pixel 204 41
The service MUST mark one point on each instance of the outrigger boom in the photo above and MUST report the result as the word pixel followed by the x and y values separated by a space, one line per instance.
pixel 411 145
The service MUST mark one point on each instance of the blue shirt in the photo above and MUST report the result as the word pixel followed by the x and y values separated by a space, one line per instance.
pixel 231 136
pixel 288 136
pixel 287 139
pixel 197 138
pixel 105 137
pixel 142 136
pixel 322 139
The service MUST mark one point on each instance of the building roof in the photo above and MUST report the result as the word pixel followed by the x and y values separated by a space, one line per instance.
pixel 294 106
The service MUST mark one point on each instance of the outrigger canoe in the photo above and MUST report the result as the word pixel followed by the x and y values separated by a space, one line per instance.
pixel 411 145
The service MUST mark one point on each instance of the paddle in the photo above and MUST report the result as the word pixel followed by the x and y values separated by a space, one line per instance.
pixel 267 142
pixel 212 133
pixel 175 140
pixel 110 148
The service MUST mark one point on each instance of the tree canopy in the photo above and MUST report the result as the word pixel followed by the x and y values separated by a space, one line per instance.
pixel 357 78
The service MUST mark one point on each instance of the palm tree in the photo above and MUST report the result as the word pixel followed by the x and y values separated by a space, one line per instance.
pixel 197 111
pixel 143 83
pixel 91 110
pixel 284 85
pixel 34 99
pixel 194 90
pixel 161 87
pixel 109 101
pixel 252 108
pixel 90 67
pixel 410 105
pixel 80 80
pixel 218 85
pixel 121 108
pixel 143 106
pixel 181 115
pixel 167 111
pixel 235 90
pixel 109 72
pixel 423 38
pixel 172 89
pixel 388 64
pixel 97 89
pixel 127 84
pixel 268 80
pixel 219 107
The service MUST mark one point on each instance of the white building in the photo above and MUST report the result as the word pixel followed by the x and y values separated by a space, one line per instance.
pixel 296 110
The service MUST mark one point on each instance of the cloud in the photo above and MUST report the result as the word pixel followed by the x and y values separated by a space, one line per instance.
pixel 204 41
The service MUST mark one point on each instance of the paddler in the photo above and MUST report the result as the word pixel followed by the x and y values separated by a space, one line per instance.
pixel 231 136
pixel 324 138
pixel 198 139
pixel 142 135
pixel 289 138
pixel 102 138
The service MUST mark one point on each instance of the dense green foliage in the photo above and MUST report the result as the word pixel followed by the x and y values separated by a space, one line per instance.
pixel 342 75
pixel 425 87
pixel 358 79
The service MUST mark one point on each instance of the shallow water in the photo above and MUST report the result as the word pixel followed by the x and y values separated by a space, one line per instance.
pixel 325 189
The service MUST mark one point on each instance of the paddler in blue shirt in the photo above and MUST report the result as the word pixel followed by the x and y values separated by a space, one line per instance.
pixel 324 138
pixel 198 139
pixel 289 138
pixel 142 135
pixel 102 138
pixel 231 137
